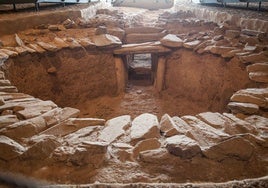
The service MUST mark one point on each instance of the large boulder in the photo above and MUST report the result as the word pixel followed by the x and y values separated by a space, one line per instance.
pixel 236 147
pixel 114 128
pixel 168 127
pixel 144 126
pixel 182 146
pixel 172 41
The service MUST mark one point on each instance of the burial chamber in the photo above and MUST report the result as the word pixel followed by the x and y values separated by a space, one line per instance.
pixel 146 98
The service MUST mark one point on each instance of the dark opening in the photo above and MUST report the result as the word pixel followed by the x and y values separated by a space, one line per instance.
pixel 141 69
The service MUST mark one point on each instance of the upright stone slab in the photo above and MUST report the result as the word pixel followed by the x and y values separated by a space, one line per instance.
pixel 114 128
pixel 168 126
pixel 182 146
pixel 144 126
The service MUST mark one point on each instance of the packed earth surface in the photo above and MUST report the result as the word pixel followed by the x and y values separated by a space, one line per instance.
pixel 128 97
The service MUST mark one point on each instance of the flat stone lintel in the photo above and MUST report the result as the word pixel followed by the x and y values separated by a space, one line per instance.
pixel 148 47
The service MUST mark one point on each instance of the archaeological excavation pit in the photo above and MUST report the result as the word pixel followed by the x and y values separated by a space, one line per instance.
pixel 118 96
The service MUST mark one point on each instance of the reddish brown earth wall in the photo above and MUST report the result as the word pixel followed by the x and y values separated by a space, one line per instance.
pixel 201 83
pixel 79 76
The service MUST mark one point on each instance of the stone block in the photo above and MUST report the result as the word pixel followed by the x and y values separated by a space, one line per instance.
pixel 244 108
pixel 143 145
pixel 259 76
pixel 168 127
pixel 258 67
pixel 215 120
pixel 203 133
pixel 191 44
pixel 236 147
pixel 172 41
pixel 41 149
pixel 182 146
pixel 144 126
pixel 114 128
pixel 106 40
pixel 48 46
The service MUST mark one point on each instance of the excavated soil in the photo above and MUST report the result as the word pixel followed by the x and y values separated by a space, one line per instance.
pixel 85 78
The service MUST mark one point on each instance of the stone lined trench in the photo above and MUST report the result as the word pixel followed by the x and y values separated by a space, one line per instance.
pixel 202 119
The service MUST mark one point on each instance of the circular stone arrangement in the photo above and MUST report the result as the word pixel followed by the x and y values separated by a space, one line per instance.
pixel 198 60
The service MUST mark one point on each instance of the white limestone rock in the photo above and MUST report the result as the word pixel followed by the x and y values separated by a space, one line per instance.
pixel 236 147
pixel 172 41
pixel 60 43
pixel 191 44
pixel 203 133
pixel 258 67
pixel 6 120
pixel 181 125
pixel 182 146
pixel 58 115
pixel 8 89
pixel 244 97
pixel 5 83
pixel 19 130
pixel 168 126
pixel 37 48
pixel 239 125
pixel 219 50
pixel 106 40
pixel 143 145
pixel 121 152
pixel 35 109
pixel 245 108
pixel 9 148
pixel 41 149
pixel 83 134
pixel 69 126
pixel 259 76
pixel 10 53
pixel 116 31
pixel 90 154
pixel 215 120
pixel 114 128
pixel 144 126
pixel 18 40
pixel 48 46
pixel 255 57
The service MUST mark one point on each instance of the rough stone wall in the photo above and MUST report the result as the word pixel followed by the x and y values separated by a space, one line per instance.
pixel 205 79
pixel 66 77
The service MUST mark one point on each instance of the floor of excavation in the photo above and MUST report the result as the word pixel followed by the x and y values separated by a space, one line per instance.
pixel 137 100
